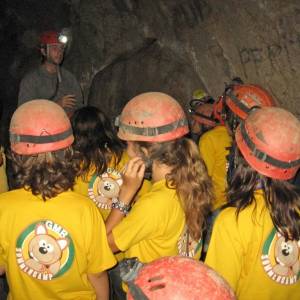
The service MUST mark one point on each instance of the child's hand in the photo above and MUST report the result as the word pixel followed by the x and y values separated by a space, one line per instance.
pixel 133 175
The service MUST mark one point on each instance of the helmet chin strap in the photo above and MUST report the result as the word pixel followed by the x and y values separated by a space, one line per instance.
pixel 58 73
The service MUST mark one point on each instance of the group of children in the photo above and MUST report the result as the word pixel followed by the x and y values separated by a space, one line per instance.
pixel 89 197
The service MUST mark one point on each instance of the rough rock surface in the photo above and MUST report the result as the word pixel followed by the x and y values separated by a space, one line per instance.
pixel 198 43
pixel 123 47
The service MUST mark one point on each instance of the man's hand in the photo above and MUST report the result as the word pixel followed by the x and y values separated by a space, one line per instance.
pixel 67 101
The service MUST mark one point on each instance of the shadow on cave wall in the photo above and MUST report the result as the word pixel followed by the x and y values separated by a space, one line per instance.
pixel 152 68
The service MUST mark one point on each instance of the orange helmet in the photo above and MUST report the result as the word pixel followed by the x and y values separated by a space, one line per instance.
pixel 241 98
pixel 179 278
pixel 203 114
pixel 39 126
pixel 269 140
pixel 152 117
pixel 201 110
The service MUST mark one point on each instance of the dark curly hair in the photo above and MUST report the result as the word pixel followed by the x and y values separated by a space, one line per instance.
pixel 46 174
pixel 96 143
pixel 281 197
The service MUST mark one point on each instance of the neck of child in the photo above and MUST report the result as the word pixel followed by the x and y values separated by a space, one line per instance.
pixel 159 171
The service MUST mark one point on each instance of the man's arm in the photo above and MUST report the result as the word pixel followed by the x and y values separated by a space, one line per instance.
pixel 100 284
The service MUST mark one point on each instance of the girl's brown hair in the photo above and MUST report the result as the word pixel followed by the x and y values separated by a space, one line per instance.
pixel 281 197
pixel 96 143
pixel 46 174
pixel 188 176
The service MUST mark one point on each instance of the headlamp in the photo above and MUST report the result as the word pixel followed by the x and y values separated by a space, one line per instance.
pixel 62 38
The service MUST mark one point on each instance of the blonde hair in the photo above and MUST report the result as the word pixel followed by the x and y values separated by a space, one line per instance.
pixel 188 176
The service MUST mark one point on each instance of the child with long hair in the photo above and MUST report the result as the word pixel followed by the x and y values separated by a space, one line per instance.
pixel 255 241
pixel 168 220
pixel 102 157
pixel 99 151
pixel 48 248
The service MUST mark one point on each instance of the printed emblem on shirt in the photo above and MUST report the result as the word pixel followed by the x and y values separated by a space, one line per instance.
pixel 102 188
pixel 44 250
pixel 280 259
pixel 187 246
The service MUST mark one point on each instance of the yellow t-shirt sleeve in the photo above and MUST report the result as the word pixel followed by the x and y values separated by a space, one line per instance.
pixel 140 224
pixel 225 253
pixel 2 260
pixel 207 151
pixel 3 177
pixel 100 256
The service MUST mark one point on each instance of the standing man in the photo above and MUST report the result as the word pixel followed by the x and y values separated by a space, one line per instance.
pixel 50 80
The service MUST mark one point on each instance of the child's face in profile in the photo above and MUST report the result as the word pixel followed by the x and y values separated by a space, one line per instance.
pixel 132 150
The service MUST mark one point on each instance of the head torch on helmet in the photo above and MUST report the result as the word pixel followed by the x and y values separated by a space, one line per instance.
pixel 54 37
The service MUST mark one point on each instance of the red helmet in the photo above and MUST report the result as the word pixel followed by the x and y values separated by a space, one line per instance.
pixel 152 117
pixel 39 126
pixel 49 37
pixel 241 98
pixel 269 140
pixel 182 278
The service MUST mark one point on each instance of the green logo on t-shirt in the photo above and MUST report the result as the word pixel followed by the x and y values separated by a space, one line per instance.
pixel 104 187
pixel 280 259
pixel 45 250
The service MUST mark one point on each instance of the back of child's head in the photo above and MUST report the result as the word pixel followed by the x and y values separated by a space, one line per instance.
pixel 269 143
pixel 40 137
pixel 157 122
pixel 95 139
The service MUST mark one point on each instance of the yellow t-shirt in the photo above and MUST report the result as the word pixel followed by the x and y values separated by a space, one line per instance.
pixel 214 147
pixel 252 256
pixel 102 188
pixel 49 247
pixel 153 226
pixel 3 177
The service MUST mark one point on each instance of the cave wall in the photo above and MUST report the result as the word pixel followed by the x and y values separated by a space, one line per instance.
pixel 124 47
pixel 198 43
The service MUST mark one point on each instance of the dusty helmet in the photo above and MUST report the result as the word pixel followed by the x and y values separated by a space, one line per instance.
pixel 39 126
pixel 269 140
pixel 241 98
pixel 152 117
pixel 179 278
